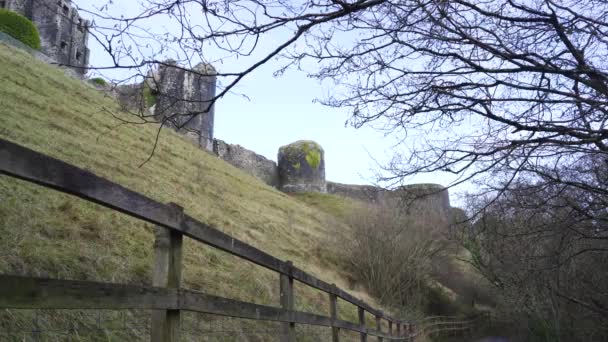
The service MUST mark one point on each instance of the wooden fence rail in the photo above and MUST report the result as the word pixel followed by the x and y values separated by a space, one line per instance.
pixel 450 325
pixel 166 296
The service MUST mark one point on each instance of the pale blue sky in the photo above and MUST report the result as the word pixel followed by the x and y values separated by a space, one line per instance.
pixel 280 110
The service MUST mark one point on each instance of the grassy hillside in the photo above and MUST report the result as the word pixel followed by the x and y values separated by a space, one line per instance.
pixel 46 233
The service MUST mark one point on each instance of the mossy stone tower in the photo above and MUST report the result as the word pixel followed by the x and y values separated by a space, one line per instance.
pixel 302 167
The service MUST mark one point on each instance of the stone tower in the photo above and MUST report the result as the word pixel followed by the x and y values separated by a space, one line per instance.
pixel 184 97
pixel 302 167
pixel 63 33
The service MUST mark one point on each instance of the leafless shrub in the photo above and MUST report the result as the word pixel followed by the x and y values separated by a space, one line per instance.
pixel 391 254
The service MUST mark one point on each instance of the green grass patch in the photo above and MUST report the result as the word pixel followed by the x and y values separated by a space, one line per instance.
pixel 335 205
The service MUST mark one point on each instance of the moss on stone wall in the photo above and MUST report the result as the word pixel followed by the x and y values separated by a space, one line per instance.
pixel 303 149
pixel 423 188
pixel 149 96
pixel 313 158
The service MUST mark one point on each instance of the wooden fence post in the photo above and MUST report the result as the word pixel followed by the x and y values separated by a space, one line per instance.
pixel 471 325
pixel 390 328
pixel 490 321
pixel 411 330
pixel 379 327
pixel 363 334
pixel 167 272
pixel 288 329
pixel 333 312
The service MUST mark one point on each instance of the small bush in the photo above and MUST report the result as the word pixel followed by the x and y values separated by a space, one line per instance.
pixel 99 81
pixel 391 254
pixel 149 96
pixel 20 28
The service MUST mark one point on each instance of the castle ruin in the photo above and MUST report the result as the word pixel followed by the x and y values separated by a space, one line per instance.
pixel 182 96
pixel 184 100
pixel 63 33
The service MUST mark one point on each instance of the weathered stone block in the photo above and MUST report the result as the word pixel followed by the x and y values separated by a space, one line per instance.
pixel 184 100
pixel 249 161
pixel 302 167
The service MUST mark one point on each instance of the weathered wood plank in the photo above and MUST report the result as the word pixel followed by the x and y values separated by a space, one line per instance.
pixel 379 326
pixel 310 280
pixel 362 335
pixel 167 272
pixel 17 292
pixel 23 163
pixel 333 313
pixel 196 301
pixel 211 236
pixel 288 329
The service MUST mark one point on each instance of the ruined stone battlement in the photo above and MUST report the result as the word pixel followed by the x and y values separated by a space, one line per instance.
pixel 258 166
pixel 178 97
pixel 181 98
pixel 63 33
pixel 184 100
pixel 301 168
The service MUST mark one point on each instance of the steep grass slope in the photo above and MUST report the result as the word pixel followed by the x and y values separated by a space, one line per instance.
pixel 46 233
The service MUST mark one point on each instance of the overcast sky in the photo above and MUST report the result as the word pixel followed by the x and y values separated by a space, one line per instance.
pixel 280 110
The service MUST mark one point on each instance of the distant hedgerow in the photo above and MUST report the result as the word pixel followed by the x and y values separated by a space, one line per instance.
pixel 20 28
pixel 99 81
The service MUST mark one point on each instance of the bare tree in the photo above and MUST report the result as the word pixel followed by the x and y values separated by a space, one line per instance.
pixel 546 260
pixel 506 87
pixel 512 93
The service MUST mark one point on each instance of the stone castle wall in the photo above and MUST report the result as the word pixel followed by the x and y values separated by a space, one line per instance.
pixel 178 97
pixel 184 100
pixel 422 200
pixel 63 33
pixel 425 201
pixel 300 166
pixel 258 166
pixel 364 193
pixel 294 173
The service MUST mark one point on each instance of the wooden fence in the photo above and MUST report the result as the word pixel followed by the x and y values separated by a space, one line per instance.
pixel 166 296
pixel 450 325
